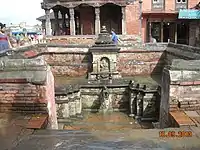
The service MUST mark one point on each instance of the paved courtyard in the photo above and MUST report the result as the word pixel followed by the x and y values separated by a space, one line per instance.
pixel 15 136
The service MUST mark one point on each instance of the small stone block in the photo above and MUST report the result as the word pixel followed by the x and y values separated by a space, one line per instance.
pixel 187 83
pixel 37 122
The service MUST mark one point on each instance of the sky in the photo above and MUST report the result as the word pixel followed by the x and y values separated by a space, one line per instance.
pixel 16 11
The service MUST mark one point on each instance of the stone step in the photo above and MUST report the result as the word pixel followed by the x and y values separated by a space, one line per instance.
pixel 37 122
pixel 182 119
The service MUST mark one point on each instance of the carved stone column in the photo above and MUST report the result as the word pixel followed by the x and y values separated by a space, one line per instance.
pixel 97 20
pixel 72 21
pixel 48 22
pixel 64 21
pixel 57 30
pixel 124 20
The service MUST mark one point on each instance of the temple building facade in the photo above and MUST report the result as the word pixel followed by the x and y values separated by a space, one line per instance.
pixel 149 19
pixel 86 17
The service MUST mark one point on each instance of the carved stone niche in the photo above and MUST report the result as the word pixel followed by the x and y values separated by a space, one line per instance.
pixel 104 57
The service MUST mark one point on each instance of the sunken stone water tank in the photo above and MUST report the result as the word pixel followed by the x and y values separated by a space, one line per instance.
pixel 105 90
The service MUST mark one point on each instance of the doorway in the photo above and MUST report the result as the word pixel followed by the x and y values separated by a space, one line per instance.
pixel 169 32
pixel 156 31
pixel 182 33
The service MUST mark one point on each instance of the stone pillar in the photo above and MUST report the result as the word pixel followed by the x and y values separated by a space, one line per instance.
pixel 64 21
pixel 97 20
pixel 48 22
pixel 72 22
pixel 57 30
pixel 123 20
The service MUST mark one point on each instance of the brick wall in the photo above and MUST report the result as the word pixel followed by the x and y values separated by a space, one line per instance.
pixel 169 4
pixel 140 63
pixel 27 86
pixel 69 64
pixel 184 85
pixel 185 96
pixel 132 19
pixel 17 95
pixel 129 62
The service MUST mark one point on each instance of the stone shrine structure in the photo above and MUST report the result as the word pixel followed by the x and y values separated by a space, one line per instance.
pixel 104 57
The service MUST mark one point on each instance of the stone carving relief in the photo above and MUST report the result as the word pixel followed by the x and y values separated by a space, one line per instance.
pixel 104 65
pixel 105 102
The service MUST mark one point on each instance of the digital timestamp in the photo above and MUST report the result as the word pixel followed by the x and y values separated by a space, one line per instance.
pixel 172 134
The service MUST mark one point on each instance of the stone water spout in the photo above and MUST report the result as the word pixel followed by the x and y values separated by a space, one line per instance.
pixel 105 100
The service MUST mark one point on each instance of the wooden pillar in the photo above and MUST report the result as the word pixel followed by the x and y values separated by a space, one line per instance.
pixel 161 35
pixel 57 27
pixel 175 32
pixel 48 22
pixel 97 20
pixel 64 21
pixel 72 22
pixel 123 20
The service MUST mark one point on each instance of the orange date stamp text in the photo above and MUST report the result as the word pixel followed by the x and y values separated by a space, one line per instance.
pixel 172 134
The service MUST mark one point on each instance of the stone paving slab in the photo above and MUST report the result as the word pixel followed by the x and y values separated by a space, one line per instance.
pixel 182 119
pixel 37 122
pixel 82 140
pixel 12 129
pixel 192 113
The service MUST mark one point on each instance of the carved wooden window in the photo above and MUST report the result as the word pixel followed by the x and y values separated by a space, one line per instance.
pixel 181 4
pixel 158 4
pixel 181 1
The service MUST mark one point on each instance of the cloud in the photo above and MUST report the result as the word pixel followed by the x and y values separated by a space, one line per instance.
pixel 16 11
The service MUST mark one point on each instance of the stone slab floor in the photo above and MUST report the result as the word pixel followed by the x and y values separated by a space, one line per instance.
pixel 15 136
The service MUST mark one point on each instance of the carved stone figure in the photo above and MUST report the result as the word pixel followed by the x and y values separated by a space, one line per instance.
pixel 104 65
pixel 105 103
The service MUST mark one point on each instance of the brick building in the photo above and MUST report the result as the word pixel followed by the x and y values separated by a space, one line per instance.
pixel 148 18
pixel 161 21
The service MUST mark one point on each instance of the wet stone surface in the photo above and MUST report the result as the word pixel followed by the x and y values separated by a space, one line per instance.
pixel 110 121
pixel 79 140
pixel 14 136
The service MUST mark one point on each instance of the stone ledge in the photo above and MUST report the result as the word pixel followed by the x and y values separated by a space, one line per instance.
pixel 185 47
pixel 185 83
pixel 180 64
pixel 23 64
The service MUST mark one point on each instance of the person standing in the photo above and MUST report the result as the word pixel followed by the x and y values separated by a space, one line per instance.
pixel 18 39
pixel 4 40
pixel 114 36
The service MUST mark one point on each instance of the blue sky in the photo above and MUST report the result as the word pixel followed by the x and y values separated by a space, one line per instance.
pixel 16 11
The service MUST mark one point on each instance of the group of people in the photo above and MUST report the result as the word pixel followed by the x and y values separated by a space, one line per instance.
pixel 4 39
